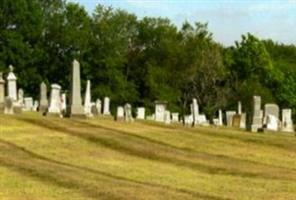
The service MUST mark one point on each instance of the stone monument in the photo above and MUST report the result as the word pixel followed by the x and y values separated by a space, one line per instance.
pixel 128 117
pixel 35 106
pixel 75 108
pixel 220 116
pixel 11 85
pixel 2 93
pixel 140 113
pixel 99 106
pixel 106 109
pixel 195 111
pixel 43 98
pixel 257 114
pixel 175 117
pixel 160 108
pixel 167 117
pixel 55 100
pixel 8 106
pixel 28 104
pixel 87 100
pixel 120 113
pixel 229 117
pixel 287 123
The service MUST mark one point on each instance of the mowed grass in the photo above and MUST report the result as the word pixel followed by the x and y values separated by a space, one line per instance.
pixel 52 158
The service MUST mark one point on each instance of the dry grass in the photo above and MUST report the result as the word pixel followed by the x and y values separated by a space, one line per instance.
pixel 52 158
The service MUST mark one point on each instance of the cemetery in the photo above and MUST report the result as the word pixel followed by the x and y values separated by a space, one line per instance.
pixel 138 102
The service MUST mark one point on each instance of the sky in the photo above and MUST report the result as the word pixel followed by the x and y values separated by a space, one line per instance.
pixel 227 19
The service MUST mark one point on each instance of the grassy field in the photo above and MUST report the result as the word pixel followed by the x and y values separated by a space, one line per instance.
pixel 51 158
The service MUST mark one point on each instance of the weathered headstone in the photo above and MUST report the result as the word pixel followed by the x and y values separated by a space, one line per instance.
pixel 99 106
pixel 257 114
pixel 188 120
pixel 220 118
pixel 55 100
pixel 202 120
pixel 43 98
pixel 160 108
pixel 87 100
pixel 167 117
pixel 236 121
pixel 120 113
pixel 287 123
pixel 63 102
pixel 8 104
pixel 28 104
pixel 2 93
pixel 272 123
pixel 270 109
pixel 195 111
pixel 175 117
pixel 243 121
pixel 239 107
pixel 229 117
pixel 20 95
pixel 94 110
pixel 75 105
pixel 106 109
pixel 140 113
pixel 128 117
pixel 11 85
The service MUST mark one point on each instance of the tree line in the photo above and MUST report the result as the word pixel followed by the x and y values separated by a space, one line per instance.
pixel 141 60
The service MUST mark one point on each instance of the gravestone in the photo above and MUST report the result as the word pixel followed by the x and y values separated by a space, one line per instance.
pixel 99 106
pixel 2 93
pixel 202 120
pixel 35 105
pixel 236 121
pixel 239 107
pixel 175 117
pixel 140 113
pixel 272 123
pixel 28 104
pixel 128 117
pixel 64 103
pixel 94 110
pixel 43 98
pixel 220 118
pixel 87 100
pixel 20 95
pixel 106 109
pixel 243 121
pixel 229 117
pixel 188 120
pixel 257 114
pixel 75 108
pixel 55 100
pixel 11 85
pixel 287 123
pixel 8 105
pixel 167 117
pixel 160 108
pixel 120 113
pixel 271 109
pixel 195 111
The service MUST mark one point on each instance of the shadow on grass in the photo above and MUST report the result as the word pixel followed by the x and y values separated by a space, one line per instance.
pixel 140 147
pixel 68 175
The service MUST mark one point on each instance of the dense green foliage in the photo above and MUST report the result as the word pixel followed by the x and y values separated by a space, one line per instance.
pixel 141 60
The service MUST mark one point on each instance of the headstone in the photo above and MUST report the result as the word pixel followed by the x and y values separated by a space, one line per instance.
pixel 87 100
pixel 195 111
pixel 55 100
pixel 257 114
pixel 63 102
pixel 106 110
pixel 188 120
pixel 128 117
pixel 160 108
pixel 2 93
pixel 236 121
pixel 94 110
pixel 20 95
pixel 220 118
pixel 35 105
pixel 11 85
pixel 140 113
pixel 120 113
pixel 243 121
pixel 287 123
pixel 202 120
pixel 43 98
pixel 99 106
pixel 271 109
pixel 28 104
pixel 75 105
pixel 175 117
pixel 272 123
pixel 8 103
pixel 239 107
pixel 167 117
pixel 229 117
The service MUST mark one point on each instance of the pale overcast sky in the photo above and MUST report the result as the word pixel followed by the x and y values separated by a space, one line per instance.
pixel 227 19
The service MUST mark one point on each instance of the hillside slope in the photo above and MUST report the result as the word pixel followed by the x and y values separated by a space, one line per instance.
pixel 52 158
